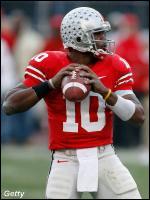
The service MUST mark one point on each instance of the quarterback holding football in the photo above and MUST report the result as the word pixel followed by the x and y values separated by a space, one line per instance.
pixel 82 87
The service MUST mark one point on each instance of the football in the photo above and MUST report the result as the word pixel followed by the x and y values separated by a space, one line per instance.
pixel 73 87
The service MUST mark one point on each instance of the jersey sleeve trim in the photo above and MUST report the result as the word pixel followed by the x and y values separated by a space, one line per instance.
pixel 126 81
pixel 123 92
pixel 33 72
pixel 125 76
pixel 36 77
pixel 36 70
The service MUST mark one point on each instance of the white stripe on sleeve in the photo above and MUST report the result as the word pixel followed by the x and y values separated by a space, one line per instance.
pixel 36 70
pixel 33 75
pixel 129 80
pixel 125 76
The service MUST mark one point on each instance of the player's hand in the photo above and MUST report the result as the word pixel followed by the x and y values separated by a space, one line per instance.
pixel 92 78
pixel 57 79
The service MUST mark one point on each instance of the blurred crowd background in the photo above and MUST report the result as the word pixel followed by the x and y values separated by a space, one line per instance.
pixel 29 27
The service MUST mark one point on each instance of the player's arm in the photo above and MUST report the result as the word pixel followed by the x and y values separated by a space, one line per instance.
pixel 126 107
pixel 19 99
pixel 138 115
pixel 22 98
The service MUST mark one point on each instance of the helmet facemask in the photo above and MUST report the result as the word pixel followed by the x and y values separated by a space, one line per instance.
pixel 101 46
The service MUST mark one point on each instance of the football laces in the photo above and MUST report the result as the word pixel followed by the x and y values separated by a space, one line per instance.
pixel 74 75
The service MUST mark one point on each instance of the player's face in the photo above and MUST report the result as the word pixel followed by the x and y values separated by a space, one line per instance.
pixel 100 38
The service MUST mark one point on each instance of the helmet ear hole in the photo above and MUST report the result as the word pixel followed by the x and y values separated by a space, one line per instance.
pixel 78 39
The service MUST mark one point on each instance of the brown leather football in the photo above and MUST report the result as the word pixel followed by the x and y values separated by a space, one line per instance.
pixel 73 87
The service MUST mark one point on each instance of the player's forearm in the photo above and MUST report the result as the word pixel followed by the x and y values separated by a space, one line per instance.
pixel 126 109
pixel 139 116
pixel 20 101
pixel 21 98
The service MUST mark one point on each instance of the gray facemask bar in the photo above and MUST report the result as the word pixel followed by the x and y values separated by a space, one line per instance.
pixel 110 44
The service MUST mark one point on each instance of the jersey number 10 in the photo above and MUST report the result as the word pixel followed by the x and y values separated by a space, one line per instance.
pixel 71 126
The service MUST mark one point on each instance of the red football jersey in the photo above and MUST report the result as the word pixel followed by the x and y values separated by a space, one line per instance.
pixel 83 124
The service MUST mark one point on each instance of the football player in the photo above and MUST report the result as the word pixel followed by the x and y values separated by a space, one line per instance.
pixel 81 133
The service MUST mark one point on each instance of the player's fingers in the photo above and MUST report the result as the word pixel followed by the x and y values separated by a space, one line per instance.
pixel 89 81
pixel 85 68
pixel 74 65
pixel 65 73
pixel 70 68
pixel 87 75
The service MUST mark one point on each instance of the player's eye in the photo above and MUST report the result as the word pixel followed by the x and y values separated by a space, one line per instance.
pixel 100 35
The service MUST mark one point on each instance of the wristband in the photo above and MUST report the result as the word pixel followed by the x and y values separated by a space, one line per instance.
pixel 42 90
pixel 123 108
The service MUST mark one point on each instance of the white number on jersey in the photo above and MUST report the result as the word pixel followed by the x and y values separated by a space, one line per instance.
pixel 71 126
pixel 40 57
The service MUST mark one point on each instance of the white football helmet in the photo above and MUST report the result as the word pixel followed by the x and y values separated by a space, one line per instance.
pixel 78 28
